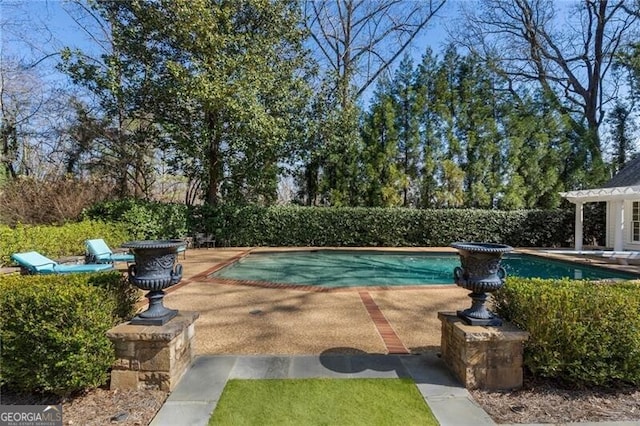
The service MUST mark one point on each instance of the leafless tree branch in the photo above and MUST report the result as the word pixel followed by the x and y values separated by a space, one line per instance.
pixel 360 39
pixel 570 49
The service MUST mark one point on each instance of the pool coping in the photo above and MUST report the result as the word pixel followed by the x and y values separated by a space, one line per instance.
pixel 388 335
pixel 537 252
pixel 205 276
pixel 586 259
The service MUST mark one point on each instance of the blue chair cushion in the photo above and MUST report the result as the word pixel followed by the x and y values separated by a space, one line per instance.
pixel 36 263
pixel 99 252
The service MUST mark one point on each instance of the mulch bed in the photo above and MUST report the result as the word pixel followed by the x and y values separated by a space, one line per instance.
pixel 539 401
pixel 98 406
pixel 548 401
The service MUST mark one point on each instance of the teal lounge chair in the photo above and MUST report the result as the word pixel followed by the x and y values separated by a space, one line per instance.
pixel 99 252
pixel 32 262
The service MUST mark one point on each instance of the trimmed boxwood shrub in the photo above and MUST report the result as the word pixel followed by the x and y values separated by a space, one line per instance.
pixel 122 292
pixel 58 241
pixel 585 333
pixel 53 332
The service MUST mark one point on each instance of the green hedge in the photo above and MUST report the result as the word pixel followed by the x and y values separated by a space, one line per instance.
pixel 582 332
pixel 58 241
pixel 318 226
pixel 53 327
pixel 303 226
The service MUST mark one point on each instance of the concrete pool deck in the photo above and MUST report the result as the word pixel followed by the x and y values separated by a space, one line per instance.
pixel 252 320
pixel 249 320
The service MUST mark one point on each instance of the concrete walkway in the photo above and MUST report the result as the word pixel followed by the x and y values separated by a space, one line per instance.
pixel 197 394
pixel 195 398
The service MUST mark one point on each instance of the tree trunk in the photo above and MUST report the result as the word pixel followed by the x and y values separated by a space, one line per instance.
pixel 311 181
pixel 214 158
pixel 8 135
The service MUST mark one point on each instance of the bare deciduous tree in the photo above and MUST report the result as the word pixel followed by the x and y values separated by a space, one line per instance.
pixel 34 100
pixel 30 109
pixel 359 39
pixel 569 54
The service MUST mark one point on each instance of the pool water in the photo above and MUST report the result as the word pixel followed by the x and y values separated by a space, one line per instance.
pixel 350 268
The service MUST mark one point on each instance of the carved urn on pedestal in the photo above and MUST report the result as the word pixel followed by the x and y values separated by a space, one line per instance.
pixel 481 272
pixel 155 269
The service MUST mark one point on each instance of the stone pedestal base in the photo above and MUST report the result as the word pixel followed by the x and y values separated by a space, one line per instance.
pixel 153 357
pixel 483 357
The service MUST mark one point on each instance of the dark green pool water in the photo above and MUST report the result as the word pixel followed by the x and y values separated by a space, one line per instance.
pixel 351 268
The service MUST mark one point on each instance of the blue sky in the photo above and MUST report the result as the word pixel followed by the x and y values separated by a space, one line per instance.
pixel 34 28
pixel 52 14
pixel 39 27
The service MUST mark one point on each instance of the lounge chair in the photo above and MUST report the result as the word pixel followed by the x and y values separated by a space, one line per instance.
pixel 204 240
pixel 624 257
pixel 32 262
pixel 99 252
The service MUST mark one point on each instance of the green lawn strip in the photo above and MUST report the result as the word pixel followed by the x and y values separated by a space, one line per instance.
pixel 322 402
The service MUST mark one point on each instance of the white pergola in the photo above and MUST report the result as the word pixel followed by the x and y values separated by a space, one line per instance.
pixel 616 196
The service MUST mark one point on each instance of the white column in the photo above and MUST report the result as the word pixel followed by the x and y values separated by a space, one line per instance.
pixel 578 226
pixel 618 236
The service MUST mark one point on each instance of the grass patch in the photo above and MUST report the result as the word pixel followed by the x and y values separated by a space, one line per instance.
pixel 322 402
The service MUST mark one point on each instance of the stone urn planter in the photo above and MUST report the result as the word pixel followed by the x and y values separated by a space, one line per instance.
pixel 482 273
pixel 155 269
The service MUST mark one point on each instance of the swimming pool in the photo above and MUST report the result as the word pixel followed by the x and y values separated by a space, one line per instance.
pixel 337 268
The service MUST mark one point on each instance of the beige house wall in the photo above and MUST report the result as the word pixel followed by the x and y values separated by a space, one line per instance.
pixel 610 226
